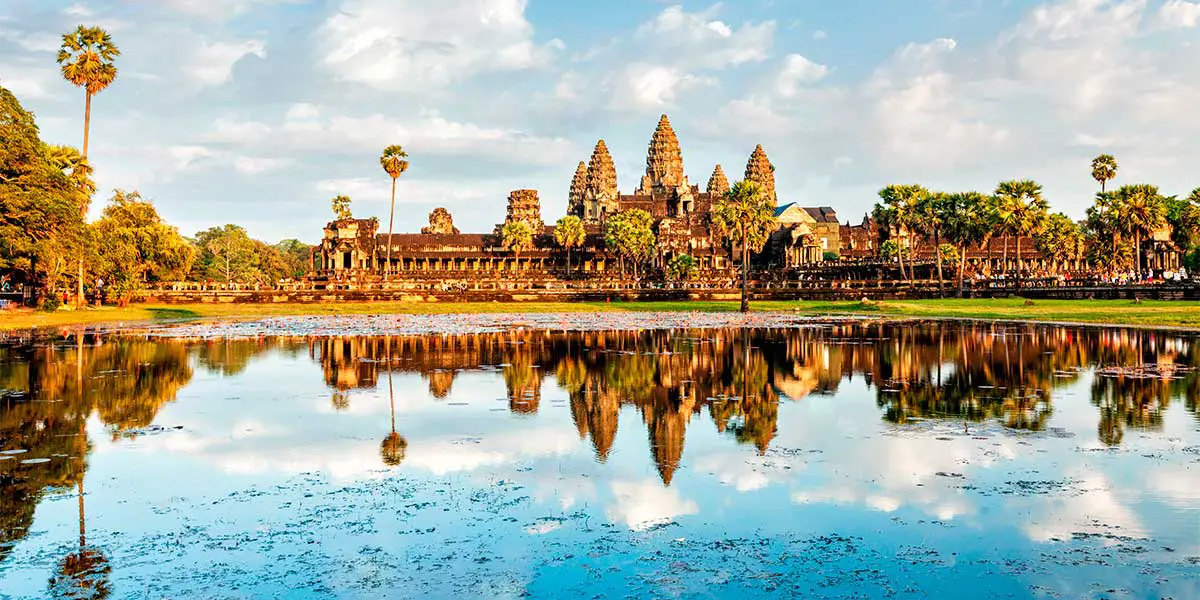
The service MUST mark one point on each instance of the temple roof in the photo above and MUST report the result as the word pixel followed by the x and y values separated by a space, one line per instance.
pixel 823 214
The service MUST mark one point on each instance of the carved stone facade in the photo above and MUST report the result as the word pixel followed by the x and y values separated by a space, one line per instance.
pixel 600 196
pixel 664 162
pixel 760 170
pixel 440 223
pixel 805 235
pixel 578 191
pixel 718 184
pixel 523 205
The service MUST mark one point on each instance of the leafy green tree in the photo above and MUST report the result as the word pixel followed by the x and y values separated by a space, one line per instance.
pixel 1022 212
pixel 394 161
pixel 133 246
pixel 517 237
pixel 681 267
pixel 341 208
pixel 87 60
pixel 228 254
pixel 1183 215
pixel 746 216
pixel 968 224
pixel 1103 226
pixel 1141 211
pixel 569 233
pixel 41 202
pixel 900 210
pixel 1104 170
pixel 629 234
pixel 296 257
pixel 1061 240
pixel 891 250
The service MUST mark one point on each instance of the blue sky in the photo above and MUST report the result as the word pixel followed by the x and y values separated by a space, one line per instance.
pixel 259 111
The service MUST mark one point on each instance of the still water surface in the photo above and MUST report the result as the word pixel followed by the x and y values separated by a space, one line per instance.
pixel 906 460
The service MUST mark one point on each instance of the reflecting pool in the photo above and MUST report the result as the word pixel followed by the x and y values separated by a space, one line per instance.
pixel 817 460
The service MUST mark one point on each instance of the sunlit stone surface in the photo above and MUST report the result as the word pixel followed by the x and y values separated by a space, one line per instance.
pixel 548 456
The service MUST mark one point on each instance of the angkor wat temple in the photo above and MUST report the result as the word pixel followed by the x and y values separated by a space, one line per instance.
pixel 354 250
pixel 807 239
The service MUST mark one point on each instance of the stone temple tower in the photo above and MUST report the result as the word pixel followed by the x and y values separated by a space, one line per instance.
pixel 760 170
pixel 718 184
pixel 600 195
pixel 664 162
pixel 578 191
pixel 523 205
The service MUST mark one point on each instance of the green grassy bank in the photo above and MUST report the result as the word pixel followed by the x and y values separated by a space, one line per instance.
pixel 1122 312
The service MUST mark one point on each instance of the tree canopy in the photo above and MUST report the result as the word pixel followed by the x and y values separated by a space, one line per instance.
pixel 132 246
pixel 517 237
pixel 630 235
pixel 341 208
pixel 42 195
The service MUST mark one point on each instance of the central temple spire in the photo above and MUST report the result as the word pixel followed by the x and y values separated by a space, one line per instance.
pixel 664 161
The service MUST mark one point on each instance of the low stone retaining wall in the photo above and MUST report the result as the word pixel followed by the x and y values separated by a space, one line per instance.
pixel 1162 292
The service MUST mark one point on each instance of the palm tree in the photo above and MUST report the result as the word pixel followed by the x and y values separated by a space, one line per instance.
pixel 569 233
pixel 1142 211
pixel 1022 211
pixel 86 58
pixel 885 218
pixel 901 202
pixel 394 162
pixel 968 223
pixel 931 213
pixel 1104 221
pixel 1104 169
pixel 394 446
pixel 1060 239
pixel 516 236
pixel 341 207
pixel 745 215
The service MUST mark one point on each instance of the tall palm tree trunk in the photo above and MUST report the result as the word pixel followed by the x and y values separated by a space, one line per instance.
pixel 1137 252
pixel 87 121
pixel 745 274
pixel 387 264
pixel 937 253
pixel 962 266
pixel 1004 264
pixel 87 126
pixel 1020 263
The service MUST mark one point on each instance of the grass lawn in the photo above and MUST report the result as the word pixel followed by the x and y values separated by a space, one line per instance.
pixel 1116 312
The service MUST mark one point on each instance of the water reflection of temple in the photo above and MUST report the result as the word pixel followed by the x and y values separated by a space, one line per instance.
pixel 970 372
pixel 1009 374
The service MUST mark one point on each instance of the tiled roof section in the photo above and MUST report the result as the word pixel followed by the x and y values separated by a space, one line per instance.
pixel 823 214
